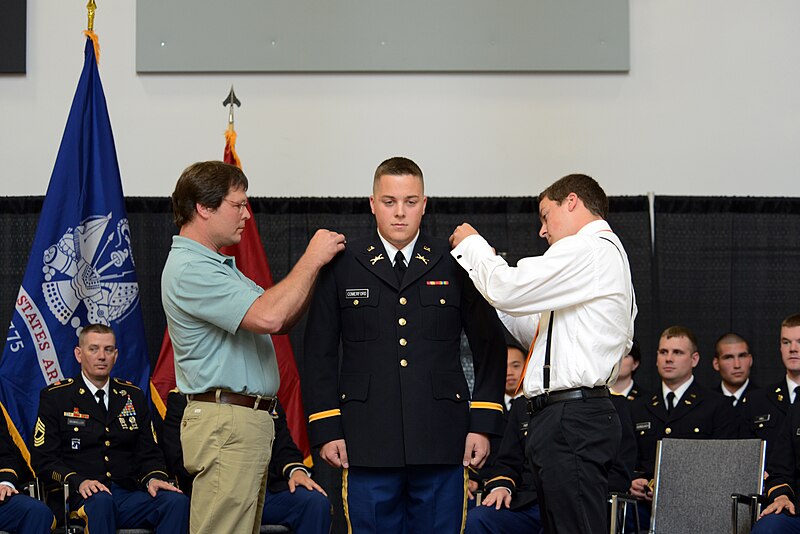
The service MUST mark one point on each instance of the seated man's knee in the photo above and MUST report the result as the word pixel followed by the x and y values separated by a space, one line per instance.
pixel 100 499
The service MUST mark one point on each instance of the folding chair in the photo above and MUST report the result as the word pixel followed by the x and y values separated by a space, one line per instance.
pixel 694 482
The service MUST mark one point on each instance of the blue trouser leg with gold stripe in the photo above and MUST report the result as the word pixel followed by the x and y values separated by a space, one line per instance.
pixel 417 498
pixel 167 512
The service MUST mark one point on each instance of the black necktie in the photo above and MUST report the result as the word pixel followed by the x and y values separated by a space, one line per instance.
pixel 796 394
pixel 399 266
pixel 101 402
pixel 670 401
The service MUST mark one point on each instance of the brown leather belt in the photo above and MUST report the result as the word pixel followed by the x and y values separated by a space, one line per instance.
pixel 227 397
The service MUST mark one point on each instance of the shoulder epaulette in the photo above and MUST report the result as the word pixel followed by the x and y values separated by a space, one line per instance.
pixel 60 384
pixel 126 383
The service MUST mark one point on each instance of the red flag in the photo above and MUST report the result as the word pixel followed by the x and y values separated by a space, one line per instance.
pixel 251 259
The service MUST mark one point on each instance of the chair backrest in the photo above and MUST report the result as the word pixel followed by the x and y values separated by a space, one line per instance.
pixel 695 479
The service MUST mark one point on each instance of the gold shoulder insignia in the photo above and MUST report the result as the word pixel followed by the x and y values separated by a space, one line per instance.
pixel 126 383
pixel 60 384
pixel 38 433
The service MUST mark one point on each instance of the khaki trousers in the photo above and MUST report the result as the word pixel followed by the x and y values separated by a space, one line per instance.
pixel 227 448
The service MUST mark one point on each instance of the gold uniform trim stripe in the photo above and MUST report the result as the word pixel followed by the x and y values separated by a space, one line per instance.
pixel 502 478
pixel 780 486
pixel 487 405
pixel 8 471
pixel 292 465
pixel 324 415
pixel 153 473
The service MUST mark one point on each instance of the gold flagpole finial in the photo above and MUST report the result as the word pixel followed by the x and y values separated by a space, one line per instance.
pixel 230 102
pixel 91 7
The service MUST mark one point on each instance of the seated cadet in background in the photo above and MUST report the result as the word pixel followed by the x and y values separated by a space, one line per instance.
pixel 765 409
pixel 292 498
pixel 96 434
pixel 510 504
pixel 19 512
pixel 682 409
pixel 732 360
pixel 625 384
pixel 783 465
pixel 515 363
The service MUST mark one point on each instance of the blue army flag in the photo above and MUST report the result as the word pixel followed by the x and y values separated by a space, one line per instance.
pixel 80 269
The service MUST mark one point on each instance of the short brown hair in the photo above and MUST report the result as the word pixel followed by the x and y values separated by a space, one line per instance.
pixel 205 183
pixel 397 166
pixel 95 328
pixel 791 321
pixel 587 189
pixel 681 331
pixel 726 339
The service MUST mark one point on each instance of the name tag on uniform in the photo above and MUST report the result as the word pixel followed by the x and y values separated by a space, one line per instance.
pixel 356 293
pixel 76 422
pixel 643 426
pixel 761 418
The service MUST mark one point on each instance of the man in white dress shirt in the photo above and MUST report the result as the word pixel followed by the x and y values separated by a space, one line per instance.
pixel 576 305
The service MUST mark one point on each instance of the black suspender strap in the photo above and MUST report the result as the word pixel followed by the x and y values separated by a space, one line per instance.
pixel 620 253
pixel 546 370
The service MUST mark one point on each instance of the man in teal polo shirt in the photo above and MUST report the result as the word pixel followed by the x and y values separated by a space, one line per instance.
pixel 220 324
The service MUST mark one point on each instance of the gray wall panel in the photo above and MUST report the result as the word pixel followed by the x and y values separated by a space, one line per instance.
pixel 381 35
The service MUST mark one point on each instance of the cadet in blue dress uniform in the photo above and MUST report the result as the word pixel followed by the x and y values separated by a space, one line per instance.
pixel 683 409
pixel 106 452
pixel 18 512
pixel 764 410
pixel 397 413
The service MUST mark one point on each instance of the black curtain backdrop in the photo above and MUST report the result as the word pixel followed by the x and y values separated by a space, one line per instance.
pixel 286 224
pixel 718 264
pixel 728 264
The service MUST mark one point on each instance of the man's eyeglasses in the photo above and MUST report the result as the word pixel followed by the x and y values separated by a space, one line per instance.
pixel 241 205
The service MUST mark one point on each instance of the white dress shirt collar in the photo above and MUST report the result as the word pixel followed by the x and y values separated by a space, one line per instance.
pixel 93 389
pixel 678 392
pixel 790 385
pixel 407 250
pixel 738 393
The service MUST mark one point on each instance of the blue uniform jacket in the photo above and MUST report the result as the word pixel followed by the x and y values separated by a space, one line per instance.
pixel 399 396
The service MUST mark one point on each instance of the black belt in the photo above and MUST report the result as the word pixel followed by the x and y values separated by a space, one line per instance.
pixel 537 403
pixel 227 397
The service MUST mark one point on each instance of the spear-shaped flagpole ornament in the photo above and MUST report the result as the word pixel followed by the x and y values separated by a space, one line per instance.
pixel 230 135
pixel 230 102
